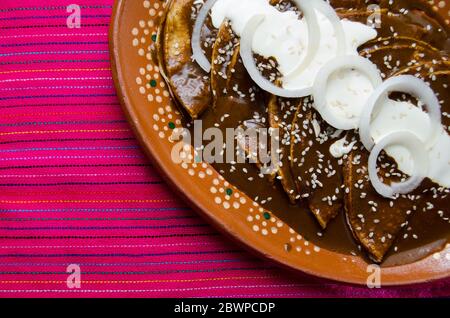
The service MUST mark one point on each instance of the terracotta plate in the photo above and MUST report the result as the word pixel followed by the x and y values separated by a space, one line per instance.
pixel 152 115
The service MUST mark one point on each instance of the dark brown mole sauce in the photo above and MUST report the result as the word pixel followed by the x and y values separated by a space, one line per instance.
pixel 337 236
pixel 431 230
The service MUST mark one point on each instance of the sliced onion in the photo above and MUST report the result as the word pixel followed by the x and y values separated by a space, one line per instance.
pixel 249 63
pixel 407 84
pixel 197 50
pixel 417 150
pixel 327 10
pixel 314 32
pixel 313 36
pixel 320 86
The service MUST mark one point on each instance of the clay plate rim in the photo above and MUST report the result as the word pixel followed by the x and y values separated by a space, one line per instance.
pixel 425 270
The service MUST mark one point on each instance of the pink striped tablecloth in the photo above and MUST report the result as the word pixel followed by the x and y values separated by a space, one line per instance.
pixel 75 187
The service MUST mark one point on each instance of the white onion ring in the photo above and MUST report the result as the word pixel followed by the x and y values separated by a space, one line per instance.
pixel 307 7
pixel 320 86
pixel 408 84
pixel 308 14
pixel 197 50
pixel 417 150
pixel 249 63
pixel 328 11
